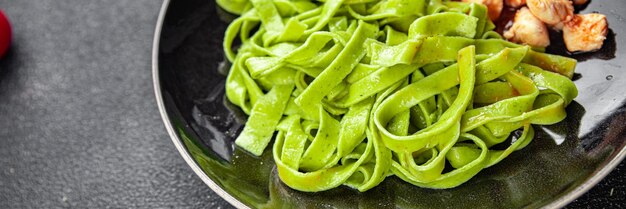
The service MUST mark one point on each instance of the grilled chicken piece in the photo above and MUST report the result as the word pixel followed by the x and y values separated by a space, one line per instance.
pixel 585 32
pixel 494 7
pixel 515 3
pixel 551 12
pixel 528 29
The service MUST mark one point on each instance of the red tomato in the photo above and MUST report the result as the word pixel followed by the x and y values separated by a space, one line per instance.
pixel 5 34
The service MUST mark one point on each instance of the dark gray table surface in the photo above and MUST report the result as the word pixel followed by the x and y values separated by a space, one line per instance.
pixel 79 127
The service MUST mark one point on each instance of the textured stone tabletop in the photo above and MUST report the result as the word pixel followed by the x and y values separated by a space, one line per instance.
pixel 79 127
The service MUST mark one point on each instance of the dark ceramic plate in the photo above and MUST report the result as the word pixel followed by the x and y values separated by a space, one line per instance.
pixel 562 162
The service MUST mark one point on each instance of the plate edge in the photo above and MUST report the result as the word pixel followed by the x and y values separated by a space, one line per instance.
pixel 590 182
pixel 166 119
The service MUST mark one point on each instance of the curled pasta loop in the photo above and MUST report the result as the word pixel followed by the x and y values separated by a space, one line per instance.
pixel 354 91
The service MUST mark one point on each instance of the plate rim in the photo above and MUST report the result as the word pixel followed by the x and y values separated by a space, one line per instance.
pixel 182 149
pixel 560 202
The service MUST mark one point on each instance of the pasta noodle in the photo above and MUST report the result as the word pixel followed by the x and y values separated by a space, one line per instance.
pixel 354 91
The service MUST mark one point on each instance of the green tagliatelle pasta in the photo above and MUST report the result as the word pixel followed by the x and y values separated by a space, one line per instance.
pixel 354 91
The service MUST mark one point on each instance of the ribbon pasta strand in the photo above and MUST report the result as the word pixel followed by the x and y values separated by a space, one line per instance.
pixel 354 91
